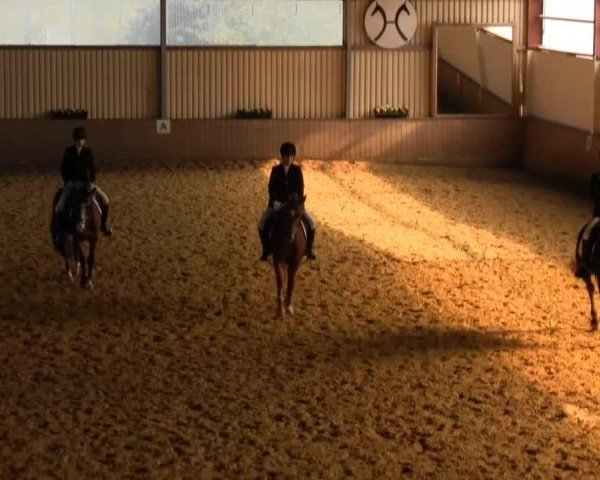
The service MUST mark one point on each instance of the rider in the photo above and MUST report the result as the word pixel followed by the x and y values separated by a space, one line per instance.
pixel 77 171
pixel 286 179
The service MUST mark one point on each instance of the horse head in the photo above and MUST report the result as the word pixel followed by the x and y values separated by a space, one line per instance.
pixel 82 199
pixel 295 210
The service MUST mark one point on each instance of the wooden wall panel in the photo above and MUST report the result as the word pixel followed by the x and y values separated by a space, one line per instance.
pixel 294 83
pixel 109 83
pixel 464 141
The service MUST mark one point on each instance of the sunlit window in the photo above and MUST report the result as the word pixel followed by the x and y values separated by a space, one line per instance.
pixel 503 31
pixel 568 26
pixel 79 22
pixel 255 22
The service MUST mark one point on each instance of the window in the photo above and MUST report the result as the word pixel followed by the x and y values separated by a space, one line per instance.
pixel 80 22
pixel 568 26
pixel 255 22
pixel 502 31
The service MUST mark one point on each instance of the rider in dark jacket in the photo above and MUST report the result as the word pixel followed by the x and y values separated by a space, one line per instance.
pixel 286 180
pixel 78 171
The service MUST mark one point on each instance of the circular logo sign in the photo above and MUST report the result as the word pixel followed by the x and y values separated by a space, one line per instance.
pixel 391 23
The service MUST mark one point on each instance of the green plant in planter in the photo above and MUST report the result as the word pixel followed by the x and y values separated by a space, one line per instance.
pixel 69 113
pixel 390 112
pixel 254 113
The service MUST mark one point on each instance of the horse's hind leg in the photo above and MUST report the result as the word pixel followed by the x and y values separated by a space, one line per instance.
pixel 590 288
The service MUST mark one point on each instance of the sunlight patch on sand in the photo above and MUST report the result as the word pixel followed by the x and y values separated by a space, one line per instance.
pixel 581 415
pixel 376 213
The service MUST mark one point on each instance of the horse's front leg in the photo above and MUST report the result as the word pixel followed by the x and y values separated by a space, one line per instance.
pixel 84 280
pixel 292 269
pixel 590 288
pixel 65 247
pixel 279 279
pixel 90 260
pixel 68 269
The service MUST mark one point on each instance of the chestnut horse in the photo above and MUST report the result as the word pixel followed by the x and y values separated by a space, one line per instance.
pixel 288 244
pixel 79 223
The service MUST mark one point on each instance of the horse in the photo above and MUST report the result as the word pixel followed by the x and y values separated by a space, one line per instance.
pixel 588 238
pixel 288 244
pixel 79 223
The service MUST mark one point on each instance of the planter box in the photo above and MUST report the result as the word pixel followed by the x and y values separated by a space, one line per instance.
pixel 255 113
pixel 69 114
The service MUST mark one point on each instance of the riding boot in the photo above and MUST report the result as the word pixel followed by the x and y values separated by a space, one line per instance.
pixel 103 221
pixel 264 240
pixel 311 253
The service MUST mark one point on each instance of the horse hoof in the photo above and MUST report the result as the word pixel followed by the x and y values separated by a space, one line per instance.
pixel 88 285
pixel 594 326
pixel 289 309
pixel 70 277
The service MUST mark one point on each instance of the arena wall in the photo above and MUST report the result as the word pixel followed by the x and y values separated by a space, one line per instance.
pixel 305 87
pixel 34 144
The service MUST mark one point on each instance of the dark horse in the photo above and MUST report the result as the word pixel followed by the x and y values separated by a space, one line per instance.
pixel 79 223
pixel 288 244
pixel 587 239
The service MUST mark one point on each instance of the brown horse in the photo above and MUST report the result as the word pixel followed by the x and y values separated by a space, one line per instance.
pixel 288 244
pixel 79 223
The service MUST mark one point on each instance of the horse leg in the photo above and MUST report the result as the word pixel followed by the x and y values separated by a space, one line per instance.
pixel 84 280
pixel 279 279
pixel 66 249
pixel 290 288
pixel 68 269
pixel 590 288
pixel 90 260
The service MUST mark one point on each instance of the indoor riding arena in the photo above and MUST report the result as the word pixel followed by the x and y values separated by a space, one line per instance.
pixel 446 149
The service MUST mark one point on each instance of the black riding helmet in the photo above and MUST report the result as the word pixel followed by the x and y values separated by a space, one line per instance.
pixel 287 149
pixel 79 133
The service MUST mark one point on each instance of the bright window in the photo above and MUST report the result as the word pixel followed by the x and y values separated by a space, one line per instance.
pixel 255 22
pixel 80 22
pixel 568 26
pixel 503 31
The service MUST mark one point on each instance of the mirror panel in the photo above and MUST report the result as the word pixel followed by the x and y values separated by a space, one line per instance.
pixel 473 70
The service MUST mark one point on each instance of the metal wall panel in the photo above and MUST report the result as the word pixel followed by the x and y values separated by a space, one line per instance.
pixel 109 83
pixel 396 78
pixel 294 83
